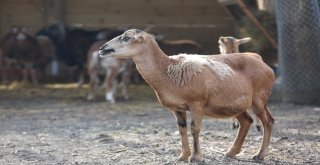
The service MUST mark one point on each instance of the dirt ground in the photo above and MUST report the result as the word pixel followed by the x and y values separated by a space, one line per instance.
pixel 54 124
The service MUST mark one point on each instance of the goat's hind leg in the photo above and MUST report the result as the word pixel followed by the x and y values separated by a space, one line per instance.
pixel 245 122
pixel 235 124
pixel 94 80
pixel 257 123
pixel 124 84
pixel 262 112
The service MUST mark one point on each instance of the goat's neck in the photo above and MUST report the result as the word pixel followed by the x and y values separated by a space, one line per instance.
pixel 152 65
pixel 233 49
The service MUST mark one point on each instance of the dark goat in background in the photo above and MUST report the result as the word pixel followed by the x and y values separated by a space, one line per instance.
pixel 22 50
pixel 73 43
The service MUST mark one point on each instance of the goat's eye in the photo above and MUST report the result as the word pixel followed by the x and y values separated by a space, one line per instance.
pixel 126 39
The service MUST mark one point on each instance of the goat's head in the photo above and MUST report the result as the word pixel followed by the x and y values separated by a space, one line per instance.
pixel 19 32
pixel 126 45
pixel 231 44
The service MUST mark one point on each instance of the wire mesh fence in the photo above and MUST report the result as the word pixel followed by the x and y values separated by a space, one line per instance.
pixel 299 49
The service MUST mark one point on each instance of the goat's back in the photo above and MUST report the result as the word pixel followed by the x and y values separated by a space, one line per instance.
pixel 252 67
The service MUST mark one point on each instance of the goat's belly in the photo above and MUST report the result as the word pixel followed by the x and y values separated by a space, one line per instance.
pixel 228 108
pixel 223 112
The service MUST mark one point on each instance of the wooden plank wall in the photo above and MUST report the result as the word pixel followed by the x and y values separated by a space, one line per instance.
pixel 202 20
pixel 21 12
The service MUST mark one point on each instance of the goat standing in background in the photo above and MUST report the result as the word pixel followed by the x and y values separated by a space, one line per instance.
pixel 228 45
pixel 111 68
pixel 73 43
pixel 220 86
pixel 23 50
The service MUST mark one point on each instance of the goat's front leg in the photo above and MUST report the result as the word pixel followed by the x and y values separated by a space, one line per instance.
pixel 93 84
pixel 181 118
pixel 110 85
pixel 196 121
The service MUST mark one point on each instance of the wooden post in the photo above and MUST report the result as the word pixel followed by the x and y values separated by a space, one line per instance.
pixel 1 17
pixel 54 11
pixel 257 23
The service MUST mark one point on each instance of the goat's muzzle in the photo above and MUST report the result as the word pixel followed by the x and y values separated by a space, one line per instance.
pixel 105 50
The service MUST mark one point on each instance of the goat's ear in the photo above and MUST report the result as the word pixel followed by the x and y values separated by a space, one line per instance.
pixel 243 40
pixel 222 39
pixel 138 38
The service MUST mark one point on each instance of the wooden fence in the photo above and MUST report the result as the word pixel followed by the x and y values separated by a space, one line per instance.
pixel 200 20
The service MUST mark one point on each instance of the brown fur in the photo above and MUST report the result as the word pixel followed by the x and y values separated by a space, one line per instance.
pixel 183 72
pixel 231 45
pixel 20 49
pixel 206 94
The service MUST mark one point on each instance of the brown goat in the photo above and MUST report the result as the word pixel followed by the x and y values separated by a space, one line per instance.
pixel 229 45
pixel 111 68
pixel 220 86
pixel 23 50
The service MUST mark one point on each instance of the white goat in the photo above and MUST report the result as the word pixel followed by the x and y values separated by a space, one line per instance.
pixel 111 68
pixel 220 86
pixel 229 45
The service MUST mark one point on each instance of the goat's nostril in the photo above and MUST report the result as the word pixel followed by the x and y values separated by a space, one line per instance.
pixel 106 51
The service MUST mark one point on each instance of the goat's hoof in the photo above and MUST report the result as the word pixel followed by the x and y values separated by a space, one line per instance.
pixel 233 152
pixel 183 158
pixel 195 158
pixel 195 161
pixel 258 158
pixel 230 156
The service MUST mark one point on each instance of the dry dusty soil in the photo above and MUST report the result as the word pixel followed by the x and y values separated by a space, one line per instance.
pixel 54 124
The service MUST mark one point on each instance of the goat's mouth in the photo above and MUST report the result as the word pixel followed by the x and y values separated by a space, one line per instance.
pixel 105 52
